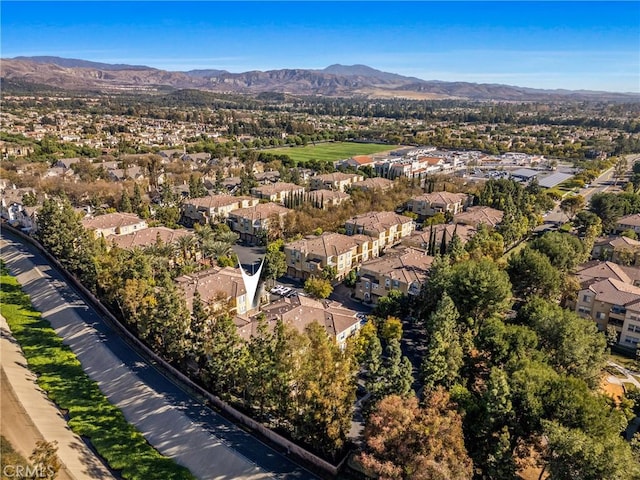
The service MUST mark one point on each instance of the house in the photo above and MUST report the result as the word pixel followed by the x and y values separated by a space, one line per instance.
pixel 387 227
pixel 422 239
pixel 252 222
pixel 622 250
pixel 612 303
pixel 334 181
pixel 265 178
pixel 214 207
pixel 19 216
pixel 375 183
pixel 598 270
pixel 66 162
pixel 202 157
pixel 628 222
pixel 114 224
pixel 216 286
pixel 148 237
pixel 327 198
pixel 404 269
pixel 358 161
pixel 120 174
pixel 310 255
pixel 277 192
pixel 429 204
pixel 475 216
pixel 299 312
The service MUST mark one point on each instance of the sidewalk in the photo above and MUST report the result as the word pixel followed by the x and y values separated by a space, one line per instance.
pixel 28 415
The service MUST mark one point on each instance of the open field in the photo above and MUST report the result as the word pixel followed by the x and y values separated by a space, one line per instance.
pixel 330 152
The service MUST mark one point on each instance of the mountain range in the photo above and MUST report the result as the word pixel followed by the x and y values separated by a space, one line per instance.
pixel 333 81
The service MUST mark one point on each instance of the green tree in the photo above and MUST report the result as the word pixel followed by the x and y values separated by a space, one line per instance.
pixel 395 375
pixel 531 273
pixel 479 289
pixel 124 205
pixel 275 261
pixel 444 356
pixel 572 205
pixel 196 187
pixel 572 453
pixel 573 343
pixel 318 287
pixel 61 232
pixel 564 250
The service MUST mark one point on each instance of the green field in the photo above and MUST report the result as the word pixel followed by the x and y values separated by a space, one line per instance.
pixel 330 152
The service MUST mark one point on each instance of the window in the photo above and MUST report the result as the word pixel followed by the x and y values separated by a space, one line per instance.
pixel 586 299
pixel 633 328
pixel 387 282
pixel 631 340
pixel 600 316
pixel 396 283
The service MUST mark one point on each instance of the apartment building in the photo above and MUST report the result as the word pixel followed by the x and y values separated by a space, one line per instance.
pixel 628 222
pixel 277 192
pixel 375 183
pixel 214 207
pixel 300 312
pixel 217 287
pixel 148 237
pixel 404 269
pixel 387 227
pixel 114 224
pixel 309 256
pixel 474 216
pixel 430 204
pixel 252 221
pixel 337 181
pixel 623 250
pixel 422 239
pixel 327 198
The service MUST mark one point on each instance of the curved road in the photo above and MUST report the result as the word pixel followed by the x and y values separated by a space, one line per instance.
pixel 172 421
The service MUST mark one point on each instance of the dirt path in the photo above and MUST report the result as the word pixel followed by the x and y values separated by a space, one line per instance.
pixel 28 415
pixel 17 427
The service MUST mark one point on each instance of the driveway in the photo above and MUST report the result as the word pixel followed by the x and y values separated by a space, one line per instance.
pixel 176 424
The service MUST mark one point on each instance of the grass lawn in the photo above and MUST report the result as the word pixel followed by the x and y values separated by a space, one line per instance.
pixel 626 362
pixel 330 152
pixel 90 413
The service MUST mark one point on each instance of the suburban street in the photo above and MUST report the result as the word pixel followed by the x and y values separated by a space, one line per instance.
pixel 176 424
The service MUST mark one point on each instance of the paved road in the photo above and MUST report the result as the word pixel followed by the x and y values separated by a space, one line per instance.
pixel 173 422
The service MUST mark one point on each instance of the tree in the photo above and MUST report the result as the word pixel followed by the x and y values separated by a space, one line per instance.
pixel 572 453
pixel 564 250
pixel 479 289
pixel 395 375
pixel 318 287
pixel 196 187
pixel 572 205
pixel 63 235
pixel 405 441
pixel 44 459
pixel 443 359
pixel 485 243
pixel 326 393
pixel 531 273
pixel 573 343
pixel 275 261
pixel 125 202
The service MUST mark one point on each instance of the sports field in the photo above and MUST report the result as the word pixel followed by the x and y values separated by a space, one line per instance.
pixel 330 152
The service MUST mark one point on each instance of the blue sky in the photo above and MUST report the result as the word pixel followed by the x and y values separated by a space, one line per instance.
pixel 544 44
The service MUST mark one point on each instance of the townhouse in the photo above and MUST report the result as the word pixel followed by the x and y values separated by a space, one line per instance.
pixel 337 181
pixel 430 204
pixel 623 250
pixel 423 239
pixel 387 227
pixel 375 183
pixel 114 224
pixel 299 312
pixel 148 237
pixel 309 256
pixel 218 287
pixel 277 192
pixel 252 222
pixel 404 269
pixel 327 198
pixel 214 207
pixel 474 216
pixel 628 222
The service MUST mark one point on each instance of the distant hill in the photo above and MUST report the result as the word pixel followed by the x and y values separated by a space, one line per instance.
pixel 75 63
pixel 334 81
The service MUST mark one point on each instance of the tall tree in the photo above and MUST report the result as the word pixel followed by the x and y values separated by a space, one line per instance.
pixel 444 356
pixel 406 441
pixel 531 273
